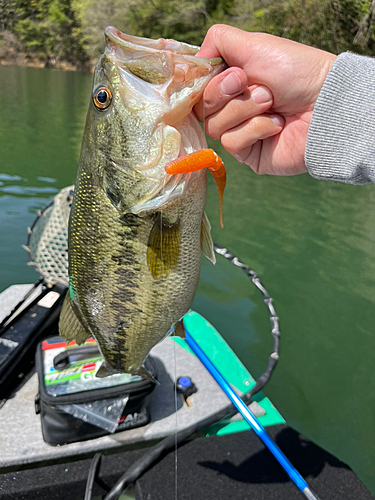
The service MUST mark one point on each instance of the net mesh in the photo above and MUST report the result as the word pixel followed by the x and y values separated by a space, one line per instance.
pixel 47 243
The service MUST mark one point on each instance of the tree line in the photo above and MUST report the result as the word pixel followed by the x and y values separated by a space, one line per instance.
pixel 71 31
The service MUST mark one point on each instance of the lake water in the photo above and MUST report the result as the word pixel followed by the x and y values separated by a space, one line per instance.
pixel 311 242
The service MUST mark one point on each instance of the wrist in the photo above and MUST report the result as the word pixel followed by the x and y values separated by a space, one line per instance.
pixel 340 140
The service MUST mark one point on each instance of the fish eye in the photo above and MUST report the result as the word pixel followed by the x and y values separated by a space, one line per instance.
pixel 102 98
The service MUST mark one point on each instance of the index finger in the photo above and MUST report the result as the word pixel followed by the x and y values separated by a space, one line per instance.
pixel 216 95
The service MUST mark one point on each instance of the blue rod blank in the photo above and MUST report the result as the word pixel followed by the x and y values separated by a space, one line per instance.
pixel 294 475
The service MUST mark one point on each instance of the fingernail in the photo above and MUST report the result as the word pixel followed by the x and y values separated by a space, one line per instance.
pixel 277 120
pixel 260 95
pixel 231 84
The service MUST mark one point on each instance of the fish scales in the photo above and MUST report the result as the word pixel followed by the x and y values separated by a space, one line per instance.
pixel 135 232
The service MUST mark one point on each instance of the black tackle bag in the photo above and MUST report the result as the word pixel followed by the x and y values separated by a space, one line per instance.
pixel 75 405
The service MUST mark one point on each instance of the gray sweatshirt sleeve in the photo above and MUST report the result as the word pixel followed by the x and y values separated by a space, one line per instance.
pixel 341 137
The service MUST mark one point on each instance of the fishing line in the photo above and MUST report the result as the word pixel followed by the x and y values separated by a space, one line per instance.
pixel 174 351
pixel 204 114
pixel 176 426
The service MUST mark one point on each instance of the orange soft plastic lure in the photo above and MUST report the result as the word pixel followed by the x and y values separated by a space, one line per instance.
pixel 204 158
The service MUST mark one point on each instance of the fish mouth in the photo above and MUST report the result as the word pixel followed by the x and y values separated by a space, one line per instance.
pixel 140 45
pixel 130 41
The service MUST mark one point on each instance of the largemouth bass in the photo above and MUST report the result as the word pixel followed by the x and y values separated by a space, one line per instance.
pixel 135 232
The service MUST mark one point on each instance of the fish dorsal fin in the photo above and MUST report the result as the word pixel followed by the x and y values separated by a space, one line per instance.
pixel 70 327
pixel 163 249
pixel 207 245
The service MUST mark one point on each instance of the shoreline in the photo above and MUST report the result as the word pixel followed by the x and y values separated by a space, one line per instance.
pixel 26 61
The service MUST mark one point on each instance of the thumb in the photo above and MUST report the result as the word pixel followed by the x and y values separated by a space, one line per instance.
pixel 232 44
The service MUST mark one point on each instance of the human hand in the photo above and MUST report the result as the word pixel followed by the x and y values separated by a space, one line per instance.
pixel 261 106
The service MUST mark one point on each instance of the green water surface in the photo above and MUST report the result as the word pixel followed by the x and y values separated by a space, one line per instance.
pixel 311 242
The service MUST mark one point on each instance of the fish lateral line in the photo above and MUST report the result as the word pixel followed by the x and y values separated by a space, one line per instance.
pixel 204 158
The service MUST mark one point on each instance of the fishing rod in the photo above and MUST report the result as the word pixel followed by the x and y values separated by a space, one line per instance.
pixel 294 475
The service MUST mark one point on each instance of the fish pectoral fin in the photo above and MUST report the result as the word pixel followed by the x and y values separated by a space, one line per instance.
pixel 207 245
pixel 70 327
pixel 163 248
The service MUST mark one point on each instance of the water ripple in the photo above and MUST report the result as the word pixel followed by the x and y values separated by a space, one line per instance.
pixel 7 177
pixel 28 190
pixel 46 179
